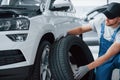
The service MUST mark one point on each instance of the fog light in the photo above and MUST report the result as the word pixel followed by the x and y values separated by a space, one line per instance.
pixel 17 37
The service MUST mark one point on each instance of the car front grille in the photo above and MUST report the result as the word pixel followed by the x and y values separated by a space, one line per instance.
pixel 10 57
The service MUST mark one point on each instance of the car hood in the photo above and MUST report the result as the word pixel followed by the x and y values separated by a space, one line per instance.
pixel 7 11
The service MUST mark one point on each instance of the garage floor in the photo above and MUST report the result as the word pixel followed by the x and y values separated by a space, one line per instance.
pixel 94 50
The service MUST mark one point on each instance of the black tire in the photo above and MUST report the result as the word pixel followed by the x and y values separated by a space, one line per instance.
pixel 36 74
pixel 60 61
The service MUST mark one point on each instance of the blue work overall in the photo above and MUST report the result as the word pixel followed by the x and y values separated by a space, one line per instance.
pixel 104 72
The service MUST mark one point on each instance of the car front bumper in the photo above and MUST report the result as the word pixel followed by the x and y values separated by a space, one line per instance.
pixel 21 73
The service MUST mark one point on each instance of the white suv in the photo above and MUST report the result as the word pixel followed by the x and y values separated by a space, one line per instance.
pixel 27 30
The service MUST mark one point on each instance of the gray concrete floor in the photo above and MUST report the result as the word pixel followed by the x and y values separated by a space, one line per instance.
pixel 94 50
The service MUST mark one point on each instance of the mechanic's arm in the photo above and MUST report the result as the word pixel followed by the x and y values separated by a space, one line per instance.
pixel 79 30
pixel 113 50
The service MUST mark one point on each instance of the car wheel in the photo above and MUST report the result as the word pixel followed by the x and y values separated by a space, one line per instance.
pixel 66 55
pixel 41 69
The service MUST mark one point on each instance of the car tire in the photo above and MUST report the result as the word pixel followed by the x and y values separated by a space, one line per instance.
pixel 41 69
pixel 67 53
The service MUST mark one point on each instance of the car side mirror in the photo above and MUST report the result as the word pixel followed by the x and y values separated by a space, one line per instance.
pixel 42 7
pixel 61 3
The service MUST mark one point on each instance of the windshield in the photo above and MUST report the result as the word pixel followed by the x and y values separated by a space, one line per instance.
pixel 19 2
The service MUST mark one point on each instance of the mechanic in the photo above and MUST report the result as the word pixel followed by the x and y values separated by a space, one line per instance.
pixel 108 30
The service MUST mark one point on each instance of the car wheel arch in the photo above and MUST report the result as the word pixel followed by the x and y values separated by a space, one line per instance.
pixel 48 37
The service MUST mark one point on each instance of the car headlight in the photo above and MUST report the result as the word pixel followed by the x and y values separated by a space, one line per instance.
pixel 14 24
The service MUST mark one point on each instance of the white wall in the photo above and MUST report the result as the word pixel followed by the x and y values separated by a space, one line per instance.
pixel 89 2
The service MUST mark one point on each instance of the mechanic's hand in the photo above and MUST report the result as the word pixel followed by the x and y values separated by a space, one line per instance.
pixel 80 72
